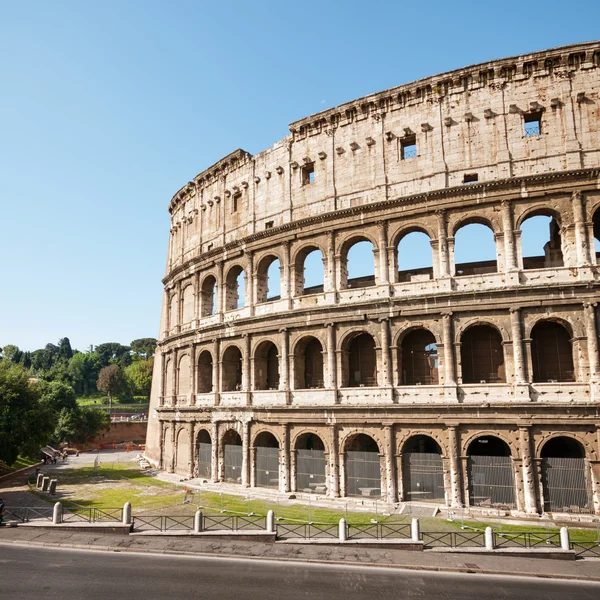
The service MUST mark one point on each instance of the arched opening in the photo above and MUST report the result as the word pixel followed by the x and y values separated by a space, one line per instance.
pixel 205 372
pixel 419 358
pixel 232 370
pixel 541 245
pixel 169 391
pixel 266 367
pixel 596 226
pixel 482 355
pixel 232 457
pixel 310 464
pixel 309 273
pixel 415 257
pixel 474 250
pixel 167 450
pixel 268 279
pixel 423 469
pixel 358 265
pixel 188 304
pixel 266 448
pixel 363 467
pixel 183 376
pixel 566 477
pixel 551 353
pixel 235 288
pixel 361 362
pixel 308 364
pixel 490 473
pixel 204 453
pixel 183 452
pixel 208 297
pixel 173 311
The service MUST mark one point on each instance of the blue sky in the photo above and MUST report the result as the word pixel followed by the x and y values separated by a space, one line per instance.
pixel 108 107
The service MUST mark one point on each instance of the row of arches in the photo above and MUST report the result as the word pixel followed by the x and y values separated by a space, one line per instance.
pixel 482 360
pixel 490 472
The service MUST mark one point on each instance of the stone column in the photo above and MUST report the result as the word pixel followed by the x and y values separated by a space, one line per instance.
pixel 245 453
pixel 214 452
pixel 284 479
pixel 330 272
pixel 334 481
pixel 401 492
pixel 192 448
pixel 384 276
pixel 171 467
pixel 246 367
pixel 390 471
pixel 517 339
pixel 249 299
pixel 342 474
pixel 581 238
pixel 220 289
pixel 386 359
pixel 217 371
pixel 331 366
pixel 444 259
pixel 448 342
pixel 589 311
pixel 510 262
pixel 284 379
pixel 455 468
pixel 252 466
pixel 293 478
pixel 193 369
pixel 528 473
pixel 286 288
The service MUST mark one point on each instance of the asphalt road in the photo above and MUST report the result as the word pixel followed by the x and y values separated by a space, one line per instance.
pixel 27 573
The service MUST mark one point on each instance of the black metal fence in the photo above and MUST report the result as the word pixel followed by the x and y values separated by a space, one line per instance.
pixel 306 531
pixel 209 523
pixel 491 480
pixel 567 485
pixel 29 514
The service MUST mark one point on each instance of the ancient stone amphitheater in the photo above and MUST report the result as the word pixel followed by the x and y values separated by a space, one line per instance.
pixel 461 383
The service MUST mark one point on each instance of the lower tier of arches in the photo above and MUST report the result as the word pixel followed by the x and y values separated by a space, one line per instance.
pixel 521 469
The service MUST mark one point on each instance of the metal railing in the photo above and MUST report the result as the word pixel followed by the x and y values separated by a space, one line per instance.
pixel 453 539
pixel 586 549
pixel 209 523
pixel 306 531
pixel 27 514
pixel 525 540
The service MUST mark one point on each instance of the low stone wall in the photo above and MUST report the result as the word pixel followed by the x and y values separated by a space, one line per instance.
pixel 131 431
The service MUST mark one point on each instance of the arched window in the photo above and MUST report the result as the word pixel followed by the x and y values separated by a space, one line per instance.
pixel 415 257
pixel 308 364
pixel 358 265
pixel 309 273
pixel 267 460
pixel 423 469
pixel 208 298
pixel 183 452
pixel 205 372
pixel 490 472
pixel 188 304
pixel 566 477
pixel 310 464
pixel 474 250
pixel 596 225
pixel 268 277
pixel 183 374
pixel 541 245
pixel 232 370
pixel 235 288
pixel 362 361
pixel 174 311
pixel 363 467
pixel 204 453
pixel 482 355
pixel 232 457
pixel 551 353
pixel 266 367
pixel 419 358
pixel 169 391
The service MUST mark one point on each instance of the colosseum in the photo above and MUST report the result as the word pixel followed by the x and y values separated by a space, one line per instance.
pixel 461 382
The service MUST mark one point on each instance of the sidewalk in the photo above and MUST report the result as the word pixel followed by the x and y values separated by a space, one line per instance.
pixel 584 569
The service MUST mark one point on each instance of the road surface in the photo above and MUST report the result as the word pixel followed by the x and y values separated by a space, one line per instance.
pixel 33 573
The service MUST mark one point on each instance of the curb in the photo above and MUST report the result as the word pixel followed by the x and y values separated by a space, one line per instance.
pixel 116 549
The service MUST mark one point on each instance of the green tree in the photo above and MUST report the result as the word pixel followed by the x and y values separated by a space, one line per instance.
pixel 26 423
pixel 139 376
pixel 65 351
pixel 112 381
pixel 80 424
pixel 144 347
pixel 58 395
pixel 11 352
pixel 113 353
pixel 83 370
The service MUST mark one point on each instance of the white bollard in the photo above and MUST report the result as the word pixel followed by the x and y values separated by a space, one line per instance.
pixel 270 522
pixel 342 531
pixel 489 538
pixel 565 540
pixel 415 530
pixel 57 514
pixel 127 513
pixel 198 521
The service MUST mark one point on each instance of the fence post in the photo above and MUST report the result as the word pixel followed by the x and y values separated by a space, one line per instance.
pixel 415 530
pixel 342 534
pixel 127 513
pixel 489 538
pixel 270 522
pixel 198 521
pixel 565 540
pixel 57 514
pixel 52 487
pixel 40 479
pixel 45 484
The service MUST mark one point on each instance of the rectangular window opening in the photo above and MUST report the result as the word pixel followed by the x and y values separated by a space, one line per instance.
pixel 308 174
pixel 235 201
pixel 269 224
pixel 408 147
pixel 532 123
pixel 470 178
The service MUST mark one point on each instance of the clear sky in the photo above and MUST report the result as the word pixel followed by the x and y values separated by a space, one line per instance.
pixel 108 107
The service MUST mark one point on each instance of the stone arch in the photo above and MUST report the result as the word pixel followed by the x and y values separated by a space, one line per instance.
pixel 183 375
pixel 552 353
pixel 405 435
pixel 399 333
pixel 231 448
pixel 474 264
pixel 266 366
pixel 265 283
pixel 234 299
pixel 501 435
pixel 346 438
pixel 167 453
pixel 205 372
pixel 538 210
pixel 554 249
pixel 310 463
pixel 362 458
pixel 588 448
pixel 465 220
pixel 262 429
pixel 267 447
pixel 359 359
pixel 173 310
pixel 295 438
pixel 482 354
pixel 231 372
pixel 422 260
pixel 422 469
pixel 350 241
pixel 418 360
pixel 208 295
pixel 203 452
pixel 187 301
pixel 298 261
pixel 404 229
pixel 309 369
pixel 169 383
pixel 476 321
pixel 570 327
pixel 183 462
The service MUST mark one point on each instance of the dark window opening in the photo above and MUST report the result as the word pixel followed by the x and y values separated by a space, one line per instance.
pixel 362 362
pixel 533 123
pixel 235 201
pixel 482 356
pixel 205 373
pixel 470 178
pixel 266 363
pixel 419 359
pixel 308 174
pixel 232 370
pixel 408 147
pixel 551 353
pixel 269 224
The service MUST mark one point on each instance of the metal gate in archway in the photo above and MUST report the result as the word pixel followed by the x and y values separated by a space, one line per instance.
pixel 492 481
pixel 424 476
pixel 267 467
pixel 204 459
pixel 232 459
pixel 567 485
pixel 363 473
pixel 310 471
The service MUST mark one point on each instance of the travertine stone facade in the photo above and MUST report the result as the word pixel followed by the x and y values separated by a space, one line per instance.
pixel 494 144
